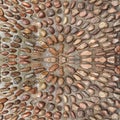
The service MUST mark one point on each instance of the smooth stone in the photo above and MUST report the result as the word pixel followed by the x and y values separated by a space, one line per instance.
pixel 81 5
pixel 69 39
pixel 43 86
pixel 80 113
pixel 41 14
pixel 60 37
pixel 1 106
pixel 1 12
pixel 75 107
pixel 103 94
pixel 103 25
pixel 50 106
pixel 79 23
pixel 74 30
pixel 43 33
pixel 59 28
pixel 65 20
pixel 69 80
pixel 79 96
pixel 75 12
pixel 67 89
pixel 50 13
pixel 67 29
pixel 112 10
pixel 115 2
pixel 74 88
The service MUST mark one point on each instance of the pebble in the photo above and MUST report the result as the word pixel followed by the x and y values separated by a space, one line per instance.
pixel 3 100
pixel 75 12
pixel 65 20
pixel 53 67
pixel 43 33
pixel 111 10
pixel 43 86
pixel 80 113
pixel 25 97
pixel 83 13
pixel 103 25
pixel 57 3
pixel 77 41
pixel 69 38
pixel 66 11
pixel 41 104
pixel 26 4
pixel 25 21
pixel 91 27
pixel 50 13
pixel 79 96
pixel 73 115
pixel 74 30
pixel 75 107
pixel 81 5
pixel 58 19
pixel 67 29
pixel 28 76
pixel 81 32
pixel 115 3
pixel 80 86
pixel 73 20
pixel 77 77
pixel 103 94
pixel 115 116
pixel 41 14
pixel 51 30
pixel 67 89
pixel 83 105
pixel 53 51
pixel 54 38
pixel 74 88
pixel 4 19
pixel 50 106
pixel 1 107
pixel 1 12
pixel 35 1
pixel 60 81
pixel 82 46
pixel 59 28
pixel 61 37
pixel 69 80
pixel 27 31
pixel 85 53
pixel 117 49
pixel 27 114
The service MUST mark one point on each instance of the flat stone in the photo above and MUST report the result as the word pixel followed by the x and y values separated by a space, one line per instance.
pixel 1 12
pixel 103 94
pixel 112 10
pixel 43 33
pixel 1 106
pixel 75 107
pixel 75 12
pixel 69 39
pixel 60 37
pixel 50 13
pixel 103 25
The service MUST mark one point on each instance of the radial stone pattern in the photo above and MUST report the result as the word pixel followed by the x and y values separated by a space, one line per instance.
pixel 60 59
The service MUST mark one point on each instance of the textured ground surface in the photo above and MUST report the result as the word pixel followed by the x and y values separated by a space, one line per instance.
pixel 60 59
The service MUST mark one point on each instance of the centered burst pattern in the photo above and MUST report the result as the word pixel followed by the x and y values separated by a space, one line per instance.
pixel 60 59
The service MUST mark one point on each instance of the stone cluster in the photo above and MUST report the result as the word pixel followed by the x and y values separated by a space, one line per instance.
pixel 60 59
